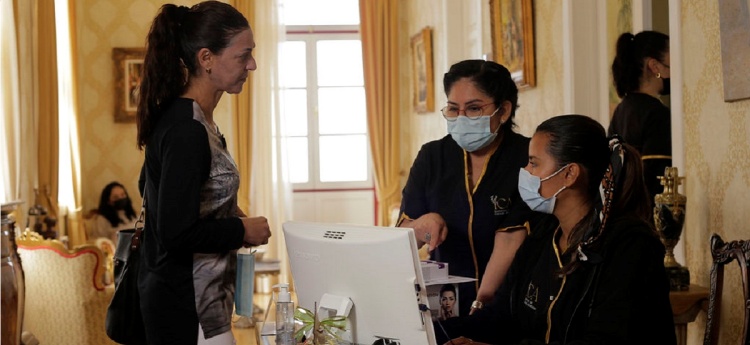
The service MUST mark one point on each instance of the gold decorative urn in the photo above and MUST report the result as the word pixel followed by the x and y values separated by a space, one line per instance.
pixel 669 217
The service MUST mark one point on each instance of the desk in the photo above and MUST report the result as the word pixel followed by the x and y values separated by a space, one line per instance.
pixel 268 337
pixel 685 307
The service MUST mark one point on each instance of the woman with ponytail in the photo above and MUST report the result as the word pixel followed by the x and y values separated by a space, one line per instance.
pixel 641 73
pixel 590 273
pixel 189 181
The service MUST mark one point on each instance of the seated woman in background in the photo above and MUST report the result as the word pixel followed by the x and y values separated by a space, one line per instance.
pixel 115 212
pixel 593 273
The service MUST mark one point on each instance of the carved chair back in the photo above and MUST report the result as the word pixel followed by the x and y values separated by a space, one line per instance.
pixel 724 253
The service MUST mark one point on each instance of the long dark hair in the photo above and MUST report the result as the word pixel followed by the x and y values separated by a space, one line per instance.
pixel 446 288
pixel 176 35
pixel 582 140
pixel 632 51
pixel 108 211
pixel 491 78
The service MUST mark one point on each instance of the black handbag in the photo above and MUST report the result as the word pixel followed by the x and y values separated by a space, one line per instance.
pixel 124 322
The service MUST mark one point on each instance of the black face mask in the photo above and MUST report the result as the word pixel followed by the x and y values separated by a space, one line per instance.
pixel 121 204
pixel 665 89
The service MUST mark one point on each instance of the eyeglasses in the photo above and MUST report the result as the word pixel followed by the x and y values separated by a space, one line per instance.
pixel 473 112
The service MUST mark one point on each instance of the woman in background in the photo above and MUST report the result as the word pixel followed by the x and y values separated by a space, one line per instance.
pixel 115 212
pixel 193 224
pixel 592 272
pixel 461 197
pixel 640 72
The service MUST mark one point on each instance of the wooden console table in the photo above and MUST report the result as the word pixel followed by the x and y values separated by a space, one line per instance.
pixel 685 307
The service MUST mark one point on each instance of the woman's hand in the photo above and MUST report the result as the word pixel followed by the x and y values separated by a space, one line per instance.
pixel 430 228
pixel 446 313
pixel 257 230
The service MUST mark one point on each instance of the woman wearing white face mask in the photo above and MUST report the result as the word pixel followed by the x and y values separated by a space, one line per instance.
pixel 593 272
pixel 461 197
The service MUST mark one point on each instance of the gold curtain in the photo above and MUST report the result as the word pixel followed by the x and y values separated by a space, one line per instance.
pixel 242 114
pixel 74 226
pixel 380 54
pixel 11 154
pixel 47 131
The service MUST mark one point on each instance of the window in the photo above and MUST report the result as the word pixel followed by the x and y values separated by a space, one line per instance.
pixel 323 97
pixel 324 114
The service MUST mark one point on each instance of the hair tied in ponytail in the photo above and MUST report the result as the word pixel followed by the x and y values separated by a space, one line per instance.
pixel 606 195
pixel 182 11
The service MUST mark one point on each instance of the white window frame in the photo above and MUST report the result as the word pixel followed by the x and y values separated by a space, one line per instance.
pixel 310 34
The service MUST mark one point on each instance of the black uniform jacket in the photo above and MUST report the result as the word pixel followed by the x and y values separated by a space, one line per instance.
pixel 619 296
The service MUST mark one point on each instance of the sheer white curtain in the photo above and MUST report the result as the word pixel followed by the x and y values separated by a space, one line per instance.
pixel 18 150
pixel 9 104
pixel 69 173
pixel 270 190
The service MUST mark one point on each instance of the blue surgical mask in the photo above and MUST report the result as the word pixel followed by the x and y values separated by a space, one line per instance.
pixel 244 283
pixel 529 186
pixel 470 134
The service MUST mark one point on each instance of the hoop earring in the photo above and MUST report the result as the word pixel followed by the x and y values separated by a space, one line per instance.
pixel 208 70
pixel 658 75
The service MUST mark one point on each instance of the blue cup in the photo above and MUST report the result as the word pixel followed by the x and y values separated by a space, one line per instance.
pixel 244 288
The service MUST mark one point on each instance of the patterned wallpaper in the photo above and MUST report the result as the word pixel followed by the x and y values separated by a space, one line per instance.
pixel 717 162
pixel 546 99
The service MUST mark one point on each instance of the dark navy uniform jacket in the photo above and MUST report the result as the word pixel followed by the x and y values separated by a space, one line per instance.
pixel 644 122
pixel 438 182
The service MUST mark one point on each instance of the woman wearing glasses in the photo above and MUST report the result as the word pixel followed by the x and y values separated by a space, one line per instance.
pixel 461 197
pixel 640 72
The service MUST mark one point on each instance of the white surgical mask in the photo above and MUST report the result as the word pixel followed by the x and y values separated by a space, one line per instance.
pixel 529 186
pixel 470 134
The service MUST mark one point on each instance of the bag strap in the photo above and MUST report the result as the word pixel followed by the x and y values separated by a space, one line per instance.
pixel 135 241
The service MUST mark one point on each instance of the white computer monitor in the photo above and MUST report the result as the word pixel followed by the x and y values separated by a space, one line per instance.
pixel 377 268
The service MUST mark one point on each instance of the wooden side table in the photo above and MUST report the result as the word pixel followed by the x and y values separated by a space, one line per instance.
pixel 685 307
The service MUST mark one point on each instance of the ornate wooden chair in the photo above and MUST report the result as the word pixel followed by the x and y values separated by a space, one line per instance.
pixel 108 249
pixel 66 301
pixel 724 253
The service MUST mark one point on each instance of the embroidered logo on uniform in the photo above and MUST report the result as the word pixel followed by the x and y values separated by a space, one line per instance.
pixel 532 295
pixel 501 205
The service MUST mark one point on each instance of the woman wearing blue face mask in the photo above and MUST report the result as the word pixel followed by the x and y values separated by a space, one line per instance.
pixel 592 272
pixel 461 196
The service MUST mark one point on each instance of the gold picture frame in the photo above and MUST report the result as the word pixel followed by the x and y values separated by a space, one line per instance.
pixel 128 64
pixel 512 27
pixel 424 84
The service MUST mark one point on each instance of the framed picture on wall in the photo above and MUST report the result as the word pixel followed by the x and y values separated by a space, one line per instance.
pixel 424 85
pixel 512 27
pixel 128 64
pixel 734 21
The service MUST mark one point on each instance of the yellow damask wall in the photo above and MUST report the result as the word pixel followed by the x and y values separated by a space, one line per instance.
pixel 546 99
pixel 717 161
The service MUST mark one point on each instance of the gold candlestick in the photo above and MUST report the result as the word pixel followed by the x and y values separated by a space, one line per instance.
pixel 669 218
